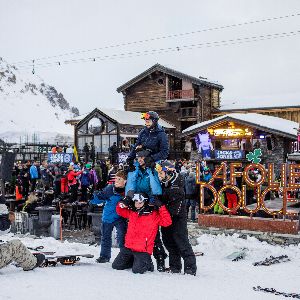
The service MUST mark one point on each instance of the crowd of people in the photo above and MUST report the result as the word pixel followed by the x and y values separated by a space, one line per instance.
pixel 147 202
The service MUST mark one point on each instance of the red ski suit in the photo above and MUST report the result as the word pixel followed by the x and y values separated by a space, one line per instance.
pixel 142 229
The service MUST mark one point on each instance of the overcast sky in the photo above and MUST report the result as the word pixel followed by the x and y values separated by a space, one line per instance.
pixel 261 72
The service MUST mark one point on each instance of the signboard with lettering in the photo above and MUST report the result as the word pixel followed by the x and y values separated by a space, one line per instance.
pixel 229 154
pixel 123 157
pixel 54 158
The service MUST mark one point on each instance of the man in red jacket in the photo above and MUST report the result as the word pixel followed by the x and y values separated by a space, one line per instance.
pixel 143 223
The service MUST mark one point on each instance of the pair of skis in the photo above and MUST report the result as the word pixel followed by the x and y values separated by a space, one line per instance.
pixel 275 292
pixel 272 260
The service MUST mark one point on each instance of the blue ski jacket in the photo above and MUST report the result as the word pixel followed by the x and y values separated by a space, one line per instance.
pixel 110 198
pixel 155 140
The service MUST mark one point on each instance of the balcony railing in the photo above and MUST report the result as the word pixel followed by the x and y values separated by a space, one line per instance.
pixel 181 94
pixel 188 112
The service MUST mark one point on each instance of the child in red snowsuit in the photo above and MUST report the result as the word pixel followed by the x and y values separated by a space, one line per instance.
pixel 143 223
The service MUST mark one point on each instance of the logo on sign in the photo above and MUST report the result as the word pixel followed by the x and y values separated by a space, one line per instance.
pixel 55 158
pixel 229 154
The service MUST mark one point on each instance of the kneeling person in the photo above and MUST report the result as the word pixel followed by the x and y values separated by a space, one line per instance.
pixel 143 223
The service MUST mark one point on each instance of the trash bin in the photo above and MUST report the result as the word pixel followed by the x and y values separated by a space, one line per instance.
pixel 55 227
pixel 96 225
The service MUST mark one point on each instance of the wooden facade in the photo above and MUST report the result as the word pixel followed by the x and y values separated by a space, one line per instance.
pixel 180 99
pixel 291 113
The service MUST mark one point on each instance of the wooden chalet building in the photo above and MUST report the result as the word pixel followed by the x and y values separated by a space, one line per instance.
pixel 180 99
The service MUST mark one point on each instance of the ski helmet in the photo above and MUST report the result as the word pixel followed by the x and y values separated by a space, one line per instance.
pixel 165 166
pixel 150 115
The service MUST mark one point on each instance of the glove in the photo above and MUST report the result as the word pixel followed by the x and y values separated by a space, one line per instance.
pixel 156 201
pixel 125 202
pixel 149 162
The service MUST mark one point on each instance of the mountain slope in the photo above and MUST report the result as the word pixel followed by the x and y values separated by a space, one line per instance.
pixel 31 107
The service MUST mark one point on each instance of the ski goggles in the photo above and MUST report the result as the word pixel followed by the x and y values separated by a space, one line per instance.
pixel 160 168
pixel 139 198
pixel 145 116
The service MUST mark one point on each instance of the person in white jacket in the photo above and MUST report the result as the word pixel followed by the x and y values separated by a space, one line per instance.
pixel 15 250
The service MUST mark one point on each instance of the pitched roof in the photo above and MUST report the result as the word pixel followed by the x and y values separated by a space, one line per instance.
pixel 263 122
pixel 163 69
pixel 241 107
pixel 122 117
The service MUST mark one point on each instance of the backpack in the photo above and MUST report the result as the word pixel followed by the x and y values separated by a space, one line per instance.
pixel 85 178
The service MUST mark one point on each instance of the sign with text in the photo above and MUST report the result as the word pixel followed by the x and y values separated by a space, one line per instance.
pixel 55 158
pixel 229 154
pixel 123 157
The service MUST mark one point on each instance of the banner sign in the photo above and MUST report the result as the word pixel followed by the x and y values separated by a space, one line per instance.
pixel 229 154
pixel 123 157
pixel 262 185
pixel 54 158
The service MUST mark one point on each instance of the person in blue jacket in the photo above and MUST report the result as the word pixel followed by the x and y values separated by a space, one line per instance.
pixel 34 175
pixel 145 180
pixel 111 195
pixel 152 138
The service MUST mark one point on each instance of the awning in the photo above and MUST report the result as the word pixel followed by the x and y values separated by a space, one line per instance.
pixel 124 135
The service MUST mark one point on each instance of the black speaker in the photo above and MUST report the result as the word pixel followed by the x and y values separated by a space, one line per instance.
pixel 269 143
pixel 6 165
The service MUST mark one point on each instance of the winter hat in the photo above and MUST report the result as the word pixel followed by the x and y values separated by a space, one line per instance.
pixel 141 197
pixel 143 153
pixel 88 166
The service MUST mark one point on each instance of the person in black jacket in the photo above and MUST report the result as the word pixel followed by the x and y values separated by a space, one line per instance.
pixel 15 250
pixel 152 138
pixel 175 237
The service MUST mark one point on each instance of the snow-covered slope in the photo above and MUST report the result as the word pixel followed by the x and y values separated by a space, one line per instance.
pixel 218 278
pixel 31 107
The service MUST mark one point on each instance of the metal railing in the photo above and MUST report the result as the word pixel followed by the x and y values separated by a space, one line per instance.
pixel 181 94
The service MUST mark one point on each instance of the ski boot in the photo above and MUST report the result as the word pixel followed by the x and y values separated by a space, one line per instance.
pixel 40 258
pixel 102 260
pixel 173 271
pixel 160 262
pixel 190 270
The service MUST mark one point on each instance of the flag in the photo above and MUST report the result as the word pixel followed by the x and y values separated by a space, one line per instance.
pixel 75 153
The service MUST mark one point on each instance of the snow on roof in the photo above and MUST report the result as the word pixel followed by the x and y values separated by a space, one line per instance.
pixel 126 117
pixel 267 123
pixel 254 105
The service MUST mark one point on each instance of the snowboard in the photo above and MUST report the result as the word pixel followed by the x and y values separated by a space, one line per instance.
pixel 68 259
pixel 238 255
pixel 272 260
pixel 39 249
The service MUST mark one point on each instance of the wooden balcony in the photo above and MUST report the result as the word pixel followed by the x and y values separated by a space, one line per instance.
pixel 181 94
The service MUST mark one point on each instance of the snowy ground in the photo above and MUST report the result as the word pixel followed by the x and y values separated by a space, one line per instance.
pixel 217 278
